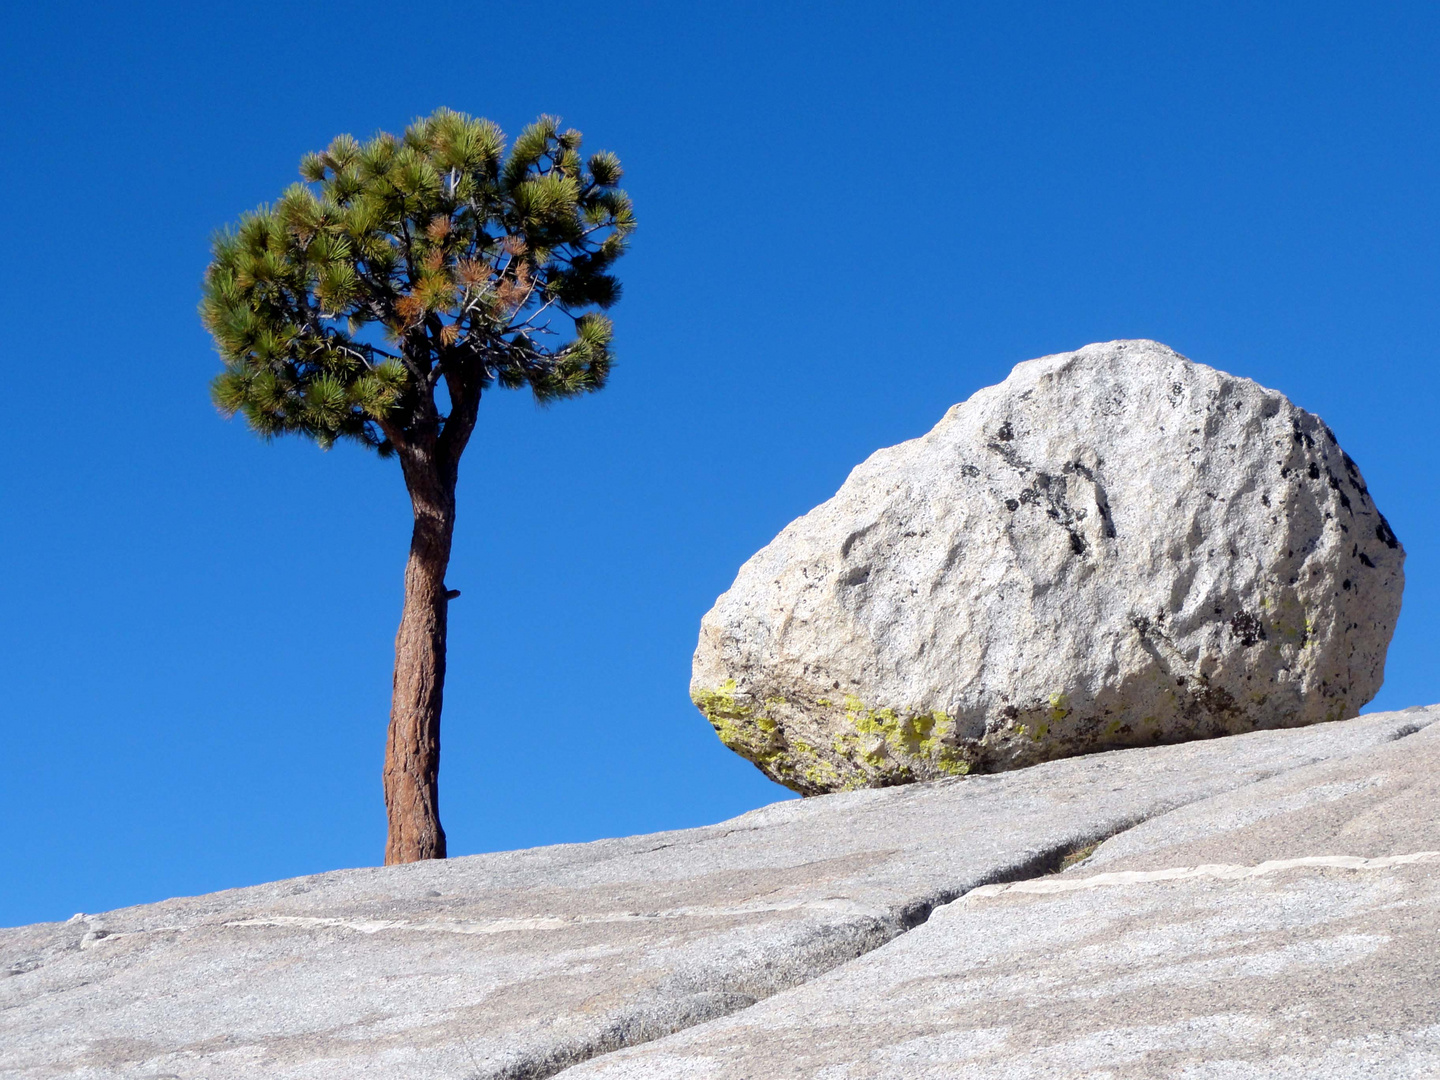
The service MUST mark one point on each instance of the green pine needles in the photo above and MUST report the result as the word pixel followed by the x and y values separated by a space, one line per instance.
pixel 404 262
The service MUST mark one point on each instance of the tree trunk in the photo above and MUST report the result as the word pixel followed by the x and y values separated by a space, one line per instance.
pixel 412 749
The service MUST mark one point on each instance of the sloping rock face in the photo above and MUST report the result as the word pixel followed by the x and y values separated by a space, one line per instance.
pixel 1284 930
pixel 1114 547
pixel 523 963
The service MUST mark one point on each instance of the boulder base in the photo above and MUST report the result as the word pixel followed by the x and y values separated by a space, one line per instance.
pixel 1113 547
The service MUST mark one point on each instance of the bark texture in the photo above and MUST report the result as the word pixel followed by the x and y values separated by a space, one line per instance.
pixel 412 748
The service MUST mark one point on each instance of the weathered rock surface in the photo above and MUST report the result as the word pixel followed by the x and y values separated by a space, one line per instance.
pixel 1286 929
pixel 1114 547
pixel 520 964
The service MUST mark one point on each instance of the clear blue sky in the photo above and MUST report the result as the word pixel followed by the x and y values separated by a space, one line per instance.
pixel 852 216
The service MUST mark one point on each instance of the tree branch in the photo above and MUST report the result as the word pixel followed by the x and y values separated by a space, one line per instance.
pixel 464 410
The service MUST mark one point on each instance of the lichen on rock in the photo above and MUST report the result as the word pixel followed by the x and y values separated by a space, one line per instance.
pixel 1113 547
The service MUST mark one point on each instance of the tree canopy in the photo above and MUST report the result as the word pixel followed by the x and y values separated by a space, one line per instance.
pixel 404 265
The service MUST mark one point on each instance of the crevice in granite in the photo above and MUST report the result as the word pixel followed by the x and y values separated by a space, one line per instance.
pixel 626 1032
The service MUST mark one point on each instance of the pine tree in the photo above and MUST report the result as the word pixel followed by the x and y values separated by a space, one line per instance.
pixel 378 301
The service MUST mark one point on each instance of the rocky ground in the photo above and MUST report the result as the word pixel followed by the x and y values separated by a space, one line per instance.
pixel 1265 905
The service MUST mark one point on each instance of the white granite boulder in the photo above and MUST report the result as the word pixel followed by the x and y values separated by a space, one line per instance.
pixel 1113 547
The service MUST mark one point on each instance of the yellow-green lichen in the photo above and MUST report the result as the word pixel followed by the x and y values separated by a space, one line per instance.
pixel 755 734
pixel 896 742
pixel 951 764
pixel 725 714
pixel 822 774
pixel 875 746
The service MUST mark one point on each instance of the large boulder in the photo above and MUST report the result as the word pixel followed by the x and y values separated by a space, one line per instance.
pixel 1113 547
